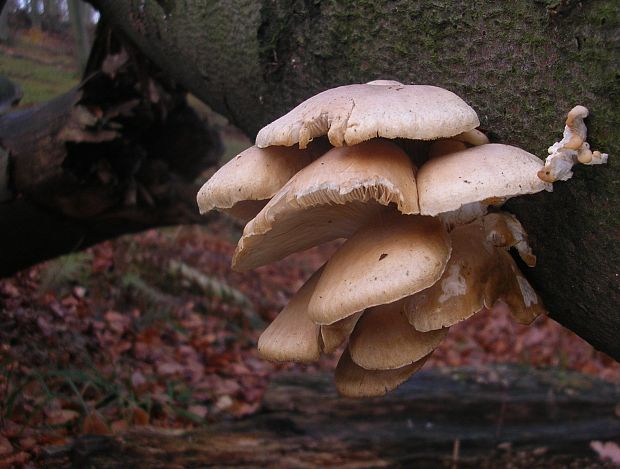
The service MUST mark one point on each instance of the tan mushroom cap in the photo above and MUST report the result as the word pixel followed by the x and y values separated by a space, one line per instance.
pixel 354 381
pixel 478 275
pixel 292 336
pixel 392 257
pixel 472 137
pixel 336 334
pixel 352 114
pixel 383 339
pixel 242 186
pixel 462 289
pixel 329 199
pixel 484 172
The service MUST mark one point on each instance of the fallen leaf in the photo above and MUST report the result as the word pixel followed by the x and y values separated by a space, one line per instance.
pixel 608 450
pixel 95 425
pixel 140 416
pixel 5 446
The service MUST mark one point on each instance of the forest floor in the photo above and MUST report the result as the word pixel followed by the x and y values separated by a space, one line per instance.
pixel 120 336
pixel 156 329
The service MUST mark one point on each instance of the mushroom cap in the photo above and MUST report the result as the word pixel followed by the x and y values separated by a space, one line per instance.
pixel 329 199
pixel 253 176
pixel 383 339
pixel 336 334
pixel 472 137
pixel 461 290
pixel 354 381
pixel 447 182
pixel 392 257
pixel 292 336
pixel 354 113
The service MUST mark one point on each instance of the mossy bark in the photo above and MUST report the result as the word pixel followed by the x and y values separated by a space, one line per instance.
pixel 522 65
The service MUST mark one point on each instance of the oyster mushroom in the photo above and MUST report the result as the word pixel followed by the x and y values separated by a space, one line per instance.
pixel 292 336
pixel 383 339
pixel 329 199
pixel 351 114
pixel 448 182
pixel 243 186
pixel 477 276
pixel 354 381
pixel 390 258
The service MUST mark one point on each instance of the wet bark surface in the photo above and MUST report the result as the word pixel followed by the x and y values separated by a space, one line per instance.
pixel 522 66
pixel 502 416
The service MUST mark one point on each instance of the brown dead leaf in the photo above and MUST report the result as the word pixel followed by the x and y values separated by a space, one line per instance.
pixel 5 446
pixel 140 416
pixel 61 416
pixel 95 425
pixel 608 450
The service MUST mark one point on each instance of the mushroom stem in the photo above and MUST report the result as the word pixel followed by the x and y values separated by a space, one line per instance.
pixel 572 149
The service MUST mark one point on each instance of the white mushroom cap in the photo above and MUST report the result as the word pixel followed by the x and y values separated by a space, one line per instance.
pixel 242 186
pixel 329 199
pixel 447 182
pixel 352 114
pixel 354 381
pixel 292 336
pixel 392 257
pixel 383 339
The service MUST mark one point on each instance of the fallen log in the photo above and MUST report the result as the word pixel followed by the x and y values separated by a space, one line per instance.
pixel 496 417
pixel 117 154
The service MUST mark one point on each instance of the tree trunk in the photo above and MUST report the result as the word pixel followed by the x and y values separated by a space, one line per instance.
pixel 80 34
pixel 35 13
pixel 4 24
pixel 522 65
pixel 501 417
pixel 120 153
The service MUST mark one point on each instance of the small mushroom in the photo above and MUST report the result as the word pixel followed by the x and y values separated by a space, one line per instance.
pixel 447 182
pixel 329 199
pixel 354 381
pixel 383 339
pixel 390 258
pixel 243 186
pixel 351 114
pixel 573 148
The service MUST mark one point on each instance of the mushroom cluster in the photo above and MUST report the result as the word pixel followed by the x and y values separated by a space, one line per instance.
pixel 413 187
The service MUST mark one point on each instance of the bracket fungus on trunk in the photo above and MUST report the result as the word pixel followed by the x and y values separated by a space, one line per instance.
pixel 425 248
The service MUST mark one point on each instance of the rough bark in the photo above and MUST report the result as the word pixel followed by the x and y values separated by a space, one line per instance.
pixel 501 417
pixel 522 65
pixel 118 154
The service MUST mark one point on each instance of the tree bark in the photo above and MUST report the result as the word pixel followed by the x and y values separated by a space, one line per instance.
pixel 522 65
pixel 120 153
